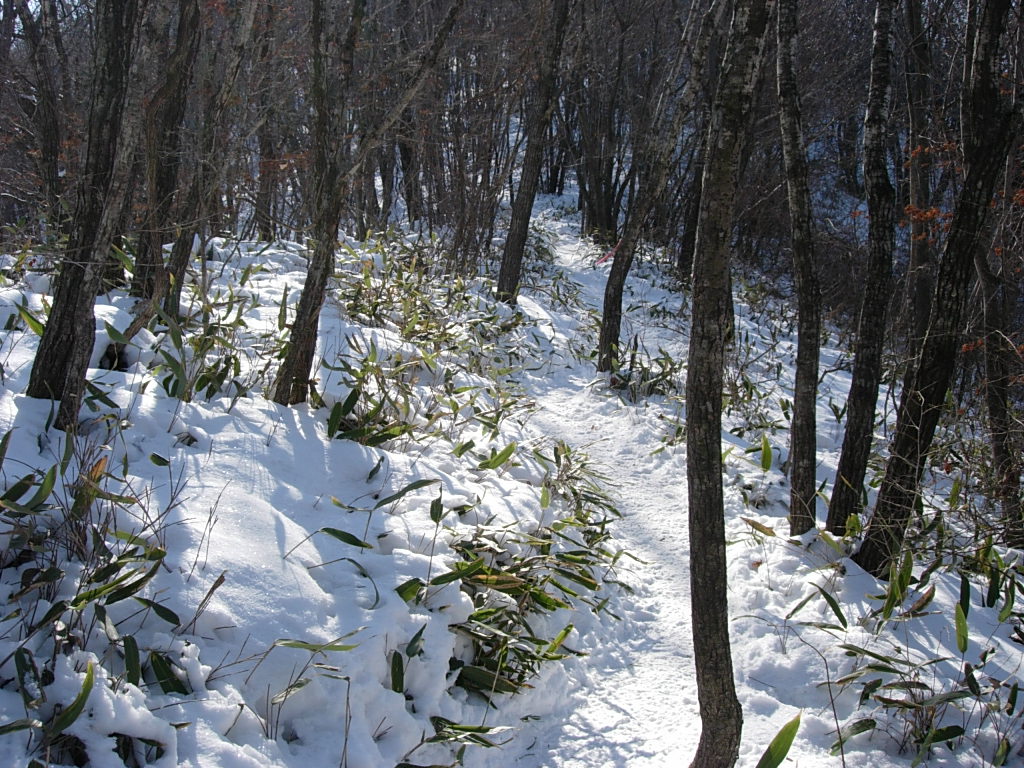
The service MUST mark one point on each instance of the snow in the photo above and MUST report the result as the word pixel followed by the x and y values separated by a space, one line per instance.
pixel 284 548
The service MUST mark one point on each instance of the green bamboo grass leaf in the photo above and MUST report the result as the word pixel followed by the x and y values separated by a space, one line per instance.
pixel 115 335
pixel 759 527
pixel 1009 598
pixel 495 461
pixel 397 673
pixel 766 453
pixel 416 484
pixel 1002 752
pixel 345 537
pixel 34 324
pixel 162 611
pixel 459 571
pixel 410 589
pixel 960 619
pixel 856 727
pixel 415 646
pixel 4 443
pixel 965 594
pixel 834 605
pixel 44 490
pixel 20 725
pixel 291 690
pixel 780 745
pixel 132 662
pixel 33 694
pixel 333 645
pixel 437 510
pixel 68 716
pixel 164 673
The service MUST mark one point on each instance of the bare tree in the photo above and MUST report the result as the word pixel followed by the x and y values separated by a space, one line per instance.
pixel 803 435
pixel 540 110
pixel 711 318
pixel 334 165
pixel 871 327
pixel 989 126
pixel 59 369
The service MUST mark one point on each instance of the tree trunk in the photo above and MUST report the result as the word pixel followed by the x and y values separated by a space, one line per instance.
pixel 1000 355
pixel 802 446
pixel 164 114
pixel 921 271
pixel 867 365
pixel 989 131
pixel 720 711
pixel 542 106
pixel 657 148
pixel 334 166
pixel 62 359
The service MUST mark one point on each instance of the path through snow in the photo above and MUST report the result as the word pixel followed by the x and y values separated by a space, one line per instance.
pixel 638 705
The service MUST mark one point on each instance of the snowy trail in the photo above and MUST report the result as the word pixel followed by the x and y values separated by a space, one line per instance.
pixel 638 704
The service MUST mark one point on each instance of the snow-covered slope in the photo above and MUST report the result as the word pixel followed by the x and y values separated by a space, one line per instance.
pixel 427 564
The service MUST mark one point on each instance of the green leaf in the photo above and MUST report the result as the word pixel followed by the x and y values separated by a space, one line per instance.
pixel 346 537
pixel 481 679
pixel 851 730
pixel 437 511
pixel 961 629
pixel 29 682
pixel 459 571
pixel 67 717
pixel 779 747
pixel 409 589
pixel 1009 598
pixel 408 489
pixel 132 664
pixel 19 725
pixel 33 322
pixel 415 646
pixel 162 611
pixel 397 673
pixel 115 335
pixel 159 460
pixel 834 605
pixel 499 458
pixel 766 453
pixel 1002 752
pixel 965 594
pixel 294 688
pixel 332 645
pixel 759 527
pixel 164 673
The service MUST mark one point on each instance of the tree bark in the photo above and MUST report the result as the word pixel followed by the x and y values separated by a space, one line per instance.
pixel 867 365
pixel 921 271
pixel 163 117
pixel 720 711
pixel 334 166
pixel 989 129
pixel 61 362
pixel 657 148
pixel 999 356
pixel 542 106
pixel 803 435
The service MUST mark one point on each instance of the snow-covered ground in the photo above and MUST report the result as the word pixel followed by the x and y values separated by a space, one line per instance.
pixel 244 590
